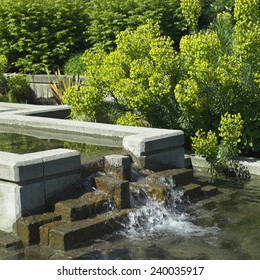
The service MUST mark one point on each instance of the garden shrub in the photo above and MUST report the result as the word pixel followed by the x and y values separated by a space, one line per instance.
pixel 3 65
pixel 74 65
pixel 18 89
pixel 40 33
pixel 220 154
pixel 137 77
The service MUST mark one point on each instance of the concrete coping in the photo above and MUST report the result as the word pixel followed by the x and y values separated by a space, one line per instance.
pixel 20 168
pixel 141 142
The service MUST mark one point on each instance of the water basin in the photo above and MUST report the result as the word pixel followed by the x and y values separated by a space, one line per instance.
pixel 23 144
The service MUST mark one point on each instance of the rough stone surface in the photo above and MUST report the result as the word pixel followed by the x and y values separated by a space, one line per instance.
pixel 9 241
pixel 192 191
pixel 28 227
pixel 45 229
pixel 118 165
pixel 70 235
pixel 117 190
pixel 181 176
pixel 209 190
pixel 87 206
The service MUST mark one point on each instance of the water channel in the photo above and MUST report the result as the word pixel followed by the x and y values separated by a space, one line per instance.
pixel 226 226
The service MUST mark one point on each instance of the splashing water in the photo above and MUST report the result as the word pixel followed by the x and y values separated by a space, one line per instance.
pixel 152 219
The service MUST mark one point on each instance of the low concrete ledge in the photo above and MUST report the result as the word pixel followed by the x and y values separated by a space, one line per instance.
pixel 252 164
pixel 149 146
pixel 50 111
pixel 28 183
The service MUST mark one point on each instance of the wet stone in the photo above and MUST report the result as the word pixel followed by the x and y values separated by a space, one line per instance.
pixel 192 191
pixel 9 241
pixel 209 190
pixel 118 165
pixel 181 176
pixel 70 235
pixel 28 228
pixel 87 206
pixel 157 192
pixel 45 229
pixel 117 190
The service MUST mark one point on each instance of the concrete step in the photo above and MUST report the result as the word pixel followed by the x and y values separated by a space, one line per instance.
pixel 86 206
pixel 70 235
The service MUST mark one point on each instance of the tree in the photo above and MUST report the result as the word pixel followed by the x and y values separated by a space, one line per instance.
pixel 109 17
pixel 138 76
pixel 39 33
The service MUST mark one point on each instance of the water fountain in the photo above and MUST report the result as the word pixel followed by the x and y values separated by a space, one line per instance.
pixel 117 206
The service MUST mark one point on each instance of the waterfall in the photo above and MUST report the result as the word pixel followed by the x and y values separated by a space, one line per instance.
pixel 153 219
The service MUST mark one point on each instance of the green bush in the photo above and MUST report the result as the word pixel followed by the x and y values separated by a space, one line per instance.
pixel 18 89
pixel 39 33
pixel 137 77
pixel 221 154
pixel 74 65
pixel 3 65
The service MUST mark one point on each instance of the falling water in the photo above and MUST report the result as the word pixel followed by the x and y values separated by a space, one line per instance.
pixel 152 219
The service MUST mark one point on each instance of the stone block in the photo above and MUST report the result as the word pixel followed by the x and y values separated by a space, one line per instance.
pixel 181 176
pixel 19 168
pixel 70 235
pixel 32 197
pixel 45 230
pixel 162 160
pixel 10 209
pixel 87 206
pixel 118 165
pixel 8 241
pixel 28 228
pixel 209 190
pixel 117 190
pixel 60 187
pixel 57 161
pixel 147 143
pixel 192 191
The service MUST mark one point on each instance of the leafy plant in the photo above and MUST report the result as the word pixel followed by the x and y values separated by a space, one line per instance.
pixel 74 65
pixel 221 155
pixel 18 89
pixel 41 32
pixel 60 85
pixel 137 77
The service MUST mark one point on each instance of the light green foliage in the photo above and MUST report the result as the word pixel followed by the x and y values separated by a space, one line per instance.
pixel 206 145
pixel 186 93
pixel 191 10
pixel 247 30
pixel 220 154
pixel 230 128
pixel 109 17
pixel 245 10
pixel 3 64
pixel 137 76
pixel 39 33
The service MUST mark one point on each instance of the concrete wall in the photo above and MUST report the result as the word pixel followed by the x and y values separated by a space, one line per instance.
pixel 29 183
pixel 40 84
